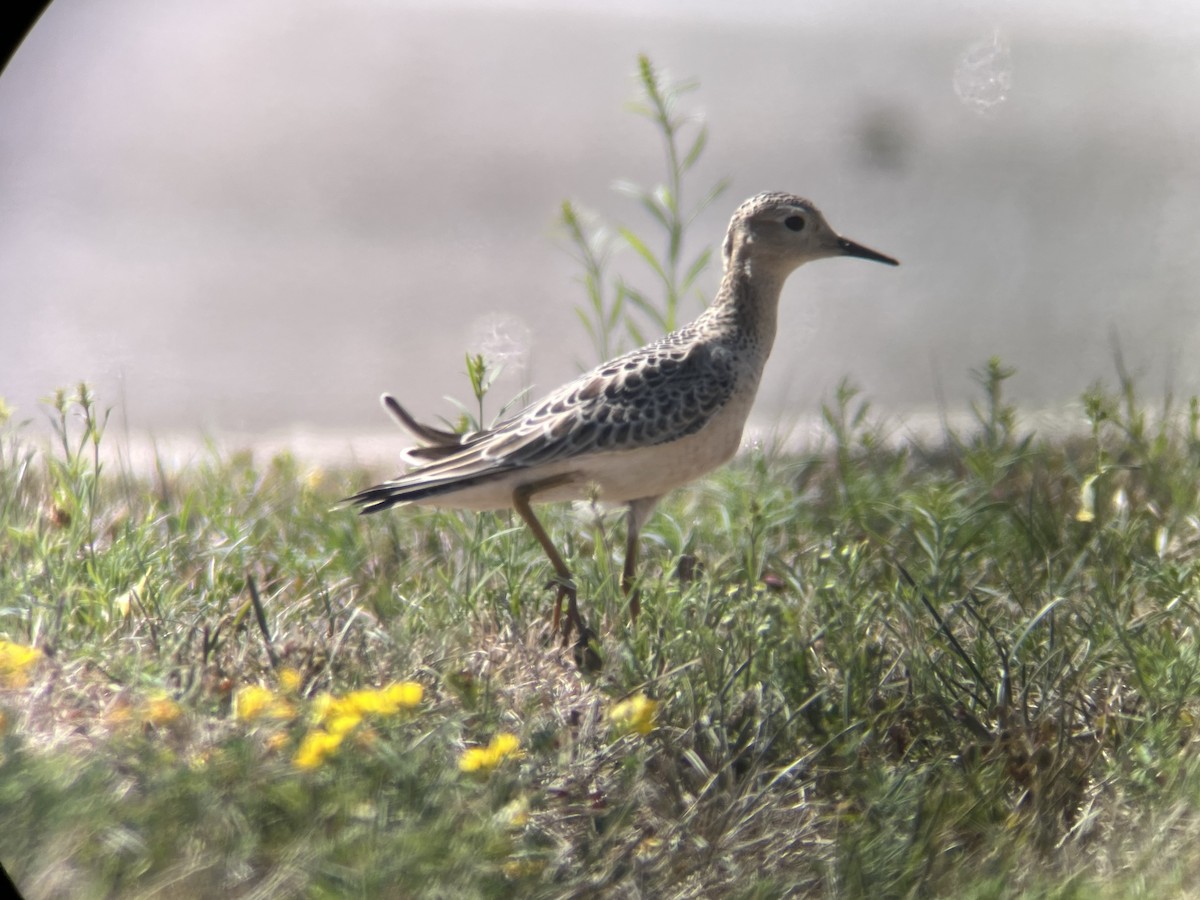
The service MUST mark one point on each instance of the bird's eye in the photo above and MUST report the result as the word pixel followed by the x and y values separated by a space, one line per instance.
pixel 795 223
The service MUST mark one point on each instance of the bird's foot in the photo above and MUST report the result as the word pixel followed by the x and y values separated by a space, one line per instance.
pixel 564 590
pixel 584 648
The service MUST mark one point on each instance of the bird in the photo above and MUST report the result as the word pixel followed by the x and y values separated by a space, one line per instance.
pixel 638 426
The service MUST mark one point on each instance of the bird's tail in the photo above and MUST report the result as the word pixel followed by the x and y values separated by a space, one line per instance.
pixel 437 445
pixel 427 434
pixel 414 488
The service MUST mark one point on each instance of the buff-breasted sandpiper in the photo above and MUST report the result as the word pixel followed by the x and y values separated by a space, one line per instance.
pixel 634 428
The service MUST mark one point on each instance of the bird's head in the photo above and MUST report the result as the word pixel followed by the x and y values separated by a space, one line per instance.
pixel 782 231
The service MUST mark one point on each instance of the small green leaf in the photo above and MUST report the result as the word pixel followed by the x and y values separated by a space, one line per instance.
pixel 706 201
pixel 638 299
pixel 634 331
pixel 696 149
pixel 644 252
pixel 698 265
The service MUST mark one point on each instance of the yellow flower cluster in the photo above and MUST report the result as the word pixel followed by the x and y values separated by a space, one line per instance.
pixel 158 709
pixel 290 680
pixel 316 747
pixel 634 715
pixel 484 759
pixel 15 662
pixel 338 716
pixel 386 701
pixel 254 702
pixel 333 716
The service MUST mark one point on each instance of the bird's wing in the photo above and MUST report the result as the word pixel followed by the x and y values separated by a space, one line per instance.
pixel 655 395
pixel 660 393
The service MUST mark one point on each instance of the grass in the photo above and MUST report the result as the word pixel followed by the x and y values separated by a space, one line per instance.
pixel 967 668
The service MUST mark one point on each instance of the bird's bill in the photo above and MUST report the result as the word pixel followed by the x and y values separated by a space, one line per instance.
pixel 849 248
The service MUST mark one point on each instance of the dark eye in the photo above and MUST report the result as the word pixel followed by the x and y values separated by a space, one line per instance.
pixel 795 223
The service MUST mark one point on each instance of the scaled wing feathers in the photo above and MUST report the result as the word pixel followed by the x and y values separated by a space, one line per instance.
pixel 654 395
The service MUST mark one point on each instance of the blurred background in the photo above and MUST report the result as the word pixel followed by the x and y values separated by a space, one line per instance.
pixel 249 219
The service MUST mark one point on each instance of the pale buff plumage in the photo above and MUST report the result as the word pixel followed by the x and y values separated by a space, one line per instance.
pixel 642 424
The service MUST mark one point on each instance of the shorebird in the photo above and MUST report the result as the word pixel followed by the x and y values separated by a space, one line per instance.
pixel 634 428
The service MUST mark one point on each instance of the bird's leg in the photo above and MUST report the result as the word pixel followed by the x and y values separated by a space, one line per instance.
pixel 584 654
pixel 639 512
pixel 627 574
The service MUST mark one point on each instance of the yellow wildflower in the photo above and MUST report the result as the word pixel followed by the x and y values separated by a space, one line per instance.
pixel 404 694
pixel 160 709
pixel 363 702
pixel 316 747
pixel 476 759
pixel 635 714
pixel 252 701
pixel 386 701
pixel 336 714
pixel 290 680
pixel 343 723
pixel 15 662
pixel 483 759
pixel 256 702
pixel 505 744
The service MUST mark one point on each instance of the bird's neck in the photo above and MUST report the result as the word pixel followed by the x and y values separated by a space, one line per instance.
pixel 747 304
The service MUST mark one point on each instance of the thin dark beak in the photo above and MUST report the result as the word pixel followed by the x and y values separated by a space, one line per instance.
pixel 849 248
